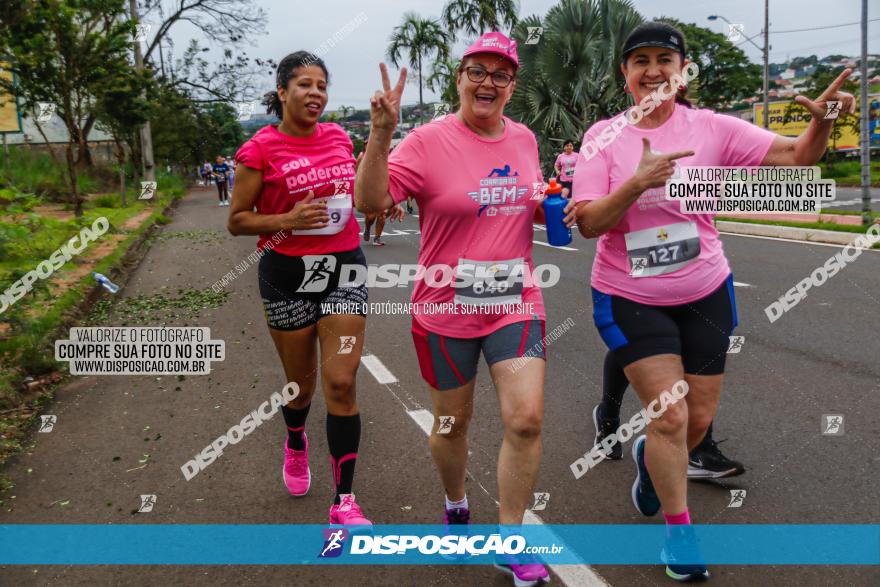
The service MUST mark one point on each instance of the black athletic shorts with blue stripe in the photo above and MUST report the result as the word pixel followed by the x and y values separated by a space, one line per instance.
pixel 699 332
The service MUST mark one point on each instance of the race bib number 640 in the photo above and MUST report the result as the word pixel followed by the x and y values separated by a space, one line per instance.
pixel 489 282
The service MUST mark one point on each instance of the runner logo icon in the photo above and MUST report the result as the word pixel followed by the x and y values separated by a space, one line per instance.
pixel 832 424
pixel 245 110
pixel 534 35
pixel 735 31
pixel 541 500
pixel 832 109
pixel 446 423
pixel 318 268
pixel 737 496
pixel 537 190
pixel 639 264
pixel 333 543
pixel 46 110
pixel 148 190
pixel 47 423
pixel 346 345
pixel 736 344
pixel 147 503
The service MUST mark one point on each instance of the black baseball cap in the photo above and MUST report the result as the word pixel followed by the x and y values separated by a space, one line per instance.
pixel 654 34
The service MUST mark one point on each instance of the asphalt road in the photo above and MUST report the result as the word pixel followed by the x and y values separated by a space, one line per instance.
pixel 819 358
pixel 849 198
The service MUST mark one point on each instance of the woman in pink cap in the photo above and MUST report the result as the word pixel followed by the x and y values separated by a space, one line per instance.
pixel 662 287
pixel 476 178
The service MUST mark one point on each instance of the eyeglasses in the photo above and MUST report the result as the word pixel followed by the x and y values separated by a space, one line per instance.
pixel 499 78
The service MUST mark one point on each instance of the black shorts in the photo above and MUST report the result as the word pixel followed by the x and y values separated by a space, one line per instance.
pixel 566 185
pixel 698 332
pixel 299 291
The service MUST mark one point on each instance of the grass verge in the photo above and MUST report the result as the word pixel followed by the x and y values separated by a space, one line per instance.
pixel 27 367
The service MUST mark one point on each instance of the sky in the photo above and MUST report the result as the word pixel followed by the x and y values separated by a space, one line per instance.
pixel 353 62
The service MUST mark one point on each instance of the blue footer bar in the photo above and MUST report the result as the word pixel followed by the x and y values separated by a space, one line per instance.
pixel 269 544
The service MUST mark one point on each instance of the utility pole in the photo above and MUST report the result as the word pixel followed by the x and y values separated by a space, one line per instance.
pixel 864 139
pixel 765 51
pixel 767 63
pixel 149 166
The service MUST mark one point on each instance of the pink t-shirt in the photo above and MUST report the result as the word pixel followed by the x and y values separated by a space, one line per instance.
pixel 717 140
pixel 292 166
pixel 566 163
pixel 477 198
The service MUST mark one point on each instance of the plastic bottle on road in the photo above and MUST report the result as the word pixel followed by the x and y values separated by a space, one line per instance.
pixel 108 285
pixel 558 234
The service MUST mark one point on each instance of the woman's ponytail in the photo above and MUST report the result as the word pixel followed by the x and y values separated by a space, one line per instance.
pixel 273 104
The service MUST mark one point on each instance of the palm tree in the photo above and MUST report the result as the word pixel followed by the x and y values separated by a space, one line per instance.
pixel 571 78
pixel 479 16
pixel 442 81
pixel 418 38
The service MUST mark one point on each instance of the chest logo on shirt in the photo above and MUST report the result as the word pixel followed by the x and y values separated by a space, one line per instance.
pixel 499 188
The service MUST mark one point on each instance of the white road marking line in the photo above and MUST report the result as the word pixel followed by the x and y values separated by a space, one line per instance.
pixel 741 284
pixel 837 203
pixel 423 418
pixel 800 242
pixel 552 247
pixel 570 575
pixel 378 370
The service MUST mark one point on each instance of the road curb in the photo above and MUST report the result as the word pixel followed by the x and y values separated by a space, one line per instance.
pixel 814 235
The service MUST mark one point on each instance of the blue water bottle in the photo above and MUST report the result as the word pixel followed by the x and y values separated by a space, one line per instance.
pixel 108 285
pixel 558 234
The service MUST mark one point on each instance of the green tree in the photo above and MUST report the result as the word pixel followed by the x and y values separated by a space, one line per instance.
pixel 479 16
pixel 418 38
pixel 66 52
pixel 122 108
pixel 726 75
pixel 225 126
pixel 571 77
pixel 187 133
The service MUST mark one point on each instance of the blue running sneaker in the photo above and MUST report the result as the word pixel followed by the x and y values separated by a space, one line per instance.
pixel 682 556
pixel 643 495
pixel 457 522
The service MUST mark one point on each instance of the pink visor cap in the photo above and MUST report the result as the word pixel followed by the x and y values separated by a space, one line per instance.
pixel 497 44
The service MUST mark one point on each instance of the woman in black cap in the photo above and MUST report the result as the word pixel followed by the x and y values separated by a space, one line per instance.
pixel 662 287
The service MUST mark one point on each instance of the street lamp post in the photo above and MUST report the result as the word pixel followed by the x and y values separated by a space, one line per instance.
pixel 864 139
pixel 765 50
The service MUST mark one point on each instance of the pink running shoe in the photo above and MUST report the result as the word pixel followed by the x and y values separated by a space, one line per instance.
pixel 529 574
pixel 347 512
pixel 297 477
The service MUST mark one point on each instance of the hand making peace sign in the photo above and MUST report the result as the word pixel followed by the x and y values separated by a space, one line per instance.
pixel 385 105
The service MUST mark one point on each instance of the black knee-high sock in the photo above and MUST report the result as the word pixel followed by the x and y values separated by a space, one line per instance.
pixel 343 438
pixel 614 384
pixel 296 421
pixel 708 438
